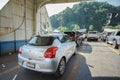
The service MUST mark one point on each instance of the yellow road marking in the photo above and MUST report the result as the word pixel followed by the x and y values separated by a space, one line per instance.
pixel 117 52
pixel 9 70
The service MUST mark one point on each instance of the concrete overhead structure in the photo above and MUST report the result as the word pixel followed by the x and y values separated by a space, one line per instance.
pixel 20 19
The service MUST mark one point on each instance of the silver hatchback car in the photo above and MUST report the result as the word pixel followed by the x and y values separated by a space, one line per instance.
pixel 47 53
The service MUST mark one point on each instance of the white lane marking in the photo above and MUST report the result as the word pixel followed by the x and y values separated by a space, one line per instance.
pixel 15 77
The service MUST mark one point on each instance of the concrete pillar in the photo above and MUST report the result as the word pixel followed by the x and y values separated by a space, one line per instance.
pixel 19 20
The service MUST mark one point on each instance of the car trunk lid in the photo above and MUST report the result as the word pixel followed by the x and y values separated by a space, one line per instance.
pixel 34 52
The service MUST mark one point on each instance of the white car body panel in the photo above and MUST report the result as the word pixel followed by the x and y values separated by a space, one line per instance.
pixel 32 57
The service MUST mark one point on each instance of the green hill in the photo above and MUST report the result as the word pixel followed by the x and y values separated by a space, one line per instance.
pixel 86 14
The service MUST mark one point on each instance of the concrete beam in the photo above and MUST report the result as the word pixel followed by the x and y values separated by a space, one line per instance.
pixel 40 3
pixel 59 1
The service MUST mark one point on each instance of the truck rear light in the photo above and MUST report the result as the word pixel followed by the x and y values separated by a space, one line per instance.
pixel 51 52
pixel 20 50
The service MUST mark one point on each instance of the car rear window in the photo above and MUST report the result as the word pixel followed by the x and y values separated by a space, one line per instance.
pixel 92 32
pixel 41 41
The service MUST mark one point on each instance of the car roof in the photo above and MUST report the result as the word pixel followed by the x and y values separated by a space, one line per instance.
pixel 69 31
pixel 92 31
pixel 51 35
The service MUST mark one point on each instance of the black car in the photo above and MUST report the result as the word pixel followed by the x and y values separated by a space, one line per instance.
pixel 75 35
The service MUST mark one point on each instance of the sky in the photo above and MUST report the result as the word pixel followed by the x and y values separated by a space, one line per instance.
pixel 113 2
pixel 2 3
pixel 56 8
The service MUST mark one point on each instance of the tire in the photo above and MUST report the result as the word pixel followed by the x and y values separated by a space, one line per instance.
pixel 96 39
pixel 107 41
pixel 75 52
pixel 88 39
pixel 119 47
pixel 61 68
pixel 104 40
pixel 77 43
pixel 115 44
pixel 83 39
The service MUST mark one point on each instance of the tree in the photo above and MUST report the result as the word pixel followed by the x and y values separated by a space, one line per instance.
pixel 76 27
pixel 91 27
pixel 117 27
pixel 62 29
pixel 87 13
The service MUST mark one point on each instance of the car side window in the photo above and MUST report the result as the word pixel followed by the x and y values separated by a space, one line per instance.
pixel 64 39
pixel 118 34
pixel 113 33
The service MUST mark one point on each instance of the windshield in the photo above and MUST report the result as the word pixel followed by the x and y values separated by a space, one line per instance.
pixel 41 41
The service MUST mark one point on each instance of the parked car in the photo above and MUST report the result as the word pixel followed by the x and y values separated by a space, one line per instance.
pixel 92 35
pixel 47 53
pixel 83 36
pixel 104 35
pixel 114 39
pixel 75 36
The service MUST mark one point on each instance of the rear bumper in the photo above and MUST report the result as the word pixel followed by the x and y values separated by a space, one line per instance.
pixel 43 65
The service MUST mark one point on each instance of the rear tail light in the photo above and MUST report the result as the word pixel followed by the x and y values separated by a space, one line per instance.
pixel 51 52
pixel 20 50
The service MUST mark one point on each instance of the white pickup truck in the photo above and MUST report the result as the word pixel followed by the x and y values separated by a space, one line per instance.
pixel 114 39
pixel 92 35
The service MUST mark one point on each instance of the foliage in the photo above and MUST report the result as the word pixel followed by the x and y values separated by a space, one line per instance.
pixel 76 27
pixel 91 27
pixel 62 29
pixel 87 13
pixel 117 27
pixel 109 27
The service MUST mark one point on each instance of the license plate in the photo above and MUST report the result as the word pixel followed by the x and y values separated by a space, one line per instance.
pixel 31 65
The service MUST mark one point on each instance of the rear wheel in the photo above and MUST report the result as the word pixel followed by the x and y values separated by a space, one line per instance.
pixel 61 67
pixel 119 47
pixel 88 39
pixel 115 44
pixel 75 52
pixel 107 41
pixel 96 39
